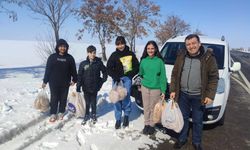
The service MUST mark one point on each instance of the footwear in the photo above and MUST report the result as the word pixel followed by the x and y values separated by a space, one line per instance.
pixel 151 130
pixel 85 119
pixel 145 129
pixel 197 146
pixel 94 119
pixel 117 124
pixel 52 118
pixel 179 144
pixel 60 116
pixel 125 121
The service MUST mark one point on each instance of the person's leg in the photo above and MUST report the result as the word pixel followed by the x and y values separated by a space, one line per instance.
pixel 54 99
pixel 146 108
pixel 154 97
pixel 185 106
pixel 63 99
pixel 87 101
pixel 93 106
pixel 126 102
pixel 197 117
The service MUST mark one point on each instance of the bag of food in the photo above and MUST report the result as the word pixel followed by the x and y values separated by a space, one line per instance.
pixel 118 92
pixel 158 109
pixel 42 101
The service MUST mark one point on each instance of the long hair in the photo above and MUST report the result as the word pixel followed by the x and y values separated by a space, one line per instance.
pixel 157 52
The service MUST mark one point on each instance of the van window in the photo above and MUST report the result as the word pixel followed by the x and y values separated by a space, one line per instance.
pixel 170 49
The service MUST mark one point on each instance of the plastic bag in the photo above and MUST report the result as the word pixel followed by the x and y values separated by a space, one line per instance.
pixel 158 109
pixel 77 104
pixel 42 101
pixel 117 93
pixel 172 117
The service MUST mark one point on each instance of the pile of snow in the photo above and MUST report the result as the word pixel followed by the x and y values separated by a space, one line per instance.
pixel 23 127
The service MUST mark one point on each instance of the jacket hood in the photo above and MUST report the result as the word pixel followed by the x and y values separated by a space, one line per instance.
pixel 61 42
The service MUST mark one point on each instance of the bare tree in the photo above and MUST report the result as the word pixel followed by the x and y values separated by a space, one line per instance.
pixel 12 14
pixel 173 26
pixel 140 16
pixel 98 18
pixel 198 32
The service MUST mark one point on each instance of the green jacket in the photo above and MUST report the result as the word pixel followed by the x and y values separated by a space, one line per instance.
pixel 152 71
pixel 209 74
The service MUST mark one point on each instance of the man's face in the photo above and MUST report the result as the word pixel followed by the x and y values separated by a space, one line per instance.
pixel 91 55
pixel 192 46
pixel 120 47
pixel 62 49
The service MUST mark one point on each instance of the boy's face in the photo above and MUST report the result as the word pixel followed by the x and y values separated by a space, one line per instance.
pixel 62 49
pixel 92 55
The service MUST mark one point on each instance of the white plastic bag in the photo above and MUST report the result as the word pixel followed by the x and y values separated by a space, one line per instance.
pixel 172 117
pixel 42 101
pixel 117 93
pixel 158 109
pixel 76 104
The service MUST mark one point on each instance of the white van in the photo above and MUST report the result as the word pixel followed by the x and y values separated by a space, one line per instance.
pixel 216 111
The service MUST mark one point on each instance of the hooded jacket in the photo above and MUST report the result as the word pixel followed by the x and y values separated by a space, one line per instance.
pixel 60 69
pixel 122 63
pixel 209 74
pixel 89 75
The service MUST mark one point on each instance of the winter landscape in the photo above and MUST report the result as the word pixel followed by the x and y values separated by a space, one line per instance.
pixel 24 127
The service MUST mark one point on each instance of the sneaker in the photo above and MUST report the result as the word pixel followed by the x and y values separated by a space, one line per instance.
pixel 197 146
pixel 60 116
pixel 151 130
pixel 85 119
pixel 125 121
pixel 117 124
pixel 94 118
pixel 52 118
pixel 179 144
pixel 145 129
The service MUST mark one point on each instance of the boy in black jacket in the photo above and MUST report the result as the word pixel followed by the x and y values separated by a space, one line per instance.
pixel 89 78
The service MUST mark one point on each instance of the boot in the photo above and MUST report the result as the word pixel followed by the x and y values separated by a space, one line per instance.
pixel 117 124
pixel 85 119
pixel 125 121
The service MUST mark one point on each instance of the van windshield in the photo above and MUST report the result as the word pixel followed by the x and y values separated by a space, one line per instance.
pixel 170 49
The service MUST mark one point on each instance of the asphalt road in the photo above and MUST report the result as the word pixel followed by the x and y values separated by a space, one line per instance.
pixel 235 133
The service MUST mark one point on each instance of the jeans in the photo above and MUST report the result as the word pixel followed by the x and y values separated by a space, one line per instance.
pixel 90 99
pixel 58 95
pixel 124 104
pixel 186 103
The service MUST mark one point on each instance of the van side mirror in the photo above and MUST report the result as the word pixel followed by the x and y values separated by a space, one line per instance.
pixel 236 67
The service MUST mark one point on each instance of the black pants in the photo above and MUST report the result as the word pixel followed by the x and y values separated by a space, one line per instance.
pixel 58 96
pixel 90 99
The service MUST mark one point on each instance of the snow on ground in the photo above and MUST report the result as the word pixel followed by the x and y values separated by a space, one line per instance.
pixel 23 127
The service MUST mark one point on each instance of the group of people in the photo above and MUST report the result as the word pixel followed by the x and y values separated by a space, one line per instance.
pixel 193 82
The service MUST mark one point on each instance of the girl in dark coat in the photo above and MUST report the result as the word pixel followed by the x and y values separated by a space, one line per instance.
pixel 60 73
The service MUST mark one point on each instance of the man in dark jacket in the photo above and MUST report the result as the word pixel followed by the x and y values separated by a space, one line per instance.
pixel 89 78
pixel 60 73
pixel 194 81
pixel 122 66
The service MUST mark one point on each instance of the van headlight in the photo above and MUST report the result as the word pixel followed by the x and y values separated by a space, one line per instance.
pixel 221 86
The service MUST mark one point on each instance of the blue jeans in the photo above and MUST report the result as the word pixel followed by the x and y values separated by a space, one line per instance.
pixel 186 103
pixel 124 104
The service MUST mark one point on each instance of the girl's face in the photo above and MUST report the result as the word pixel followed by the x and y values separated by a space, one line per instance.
pixel 62 49
pixel 120 47
pixel 151 50
pixel 92 55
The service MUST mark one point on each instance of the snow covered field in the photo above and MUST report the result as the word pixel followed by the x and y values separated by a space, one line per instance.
pixel 23 127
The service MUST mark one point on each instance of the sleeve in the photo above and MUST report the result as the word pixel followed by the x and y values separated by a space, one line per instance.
pixel 73 70
pixel 47 70
pixel 110 68
pixel 104 72
pixel 163 78
pixel 79 78
pixel 174 75
pixel 213 77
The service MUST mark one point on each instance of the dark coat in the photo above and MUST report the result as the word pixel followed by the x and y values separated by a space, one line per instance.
pixel 209 74
pixel 89 77
pixel 115 67
pixel 60 69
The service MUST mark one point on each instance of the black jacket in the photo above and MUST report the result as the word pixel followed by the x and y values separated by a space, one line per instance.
pixel 117 62
pixel 89 75
pixel 60 69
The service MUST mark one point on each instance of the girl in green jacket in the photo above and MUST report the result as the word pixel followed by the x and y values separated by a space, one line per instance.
pixel 152 72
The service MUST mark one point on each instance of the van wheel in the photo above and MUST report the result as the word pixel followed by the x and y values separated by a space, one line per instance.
pixel 222 120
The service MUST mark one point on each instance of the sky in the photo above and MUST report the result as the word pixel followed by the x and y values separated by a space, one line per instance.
pixel 213 18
